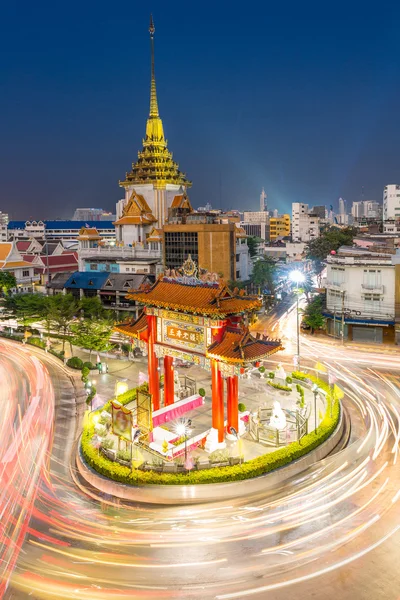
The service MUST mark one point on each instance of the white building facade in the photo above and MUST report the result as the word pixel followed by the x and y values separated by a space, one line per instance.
pixel 360 296
pixel 391 202
pixel 305 226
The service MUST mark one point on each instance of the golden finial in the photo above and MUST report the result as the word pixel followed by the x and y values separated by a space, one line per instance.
pixel 153 91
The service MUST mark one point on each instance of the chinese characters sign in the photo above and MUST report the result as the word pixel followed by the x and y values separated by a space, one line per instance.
pixel 183 335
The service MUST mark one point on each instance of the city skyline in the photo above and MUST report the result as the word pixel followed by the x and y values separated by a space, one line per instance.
pixel 299 114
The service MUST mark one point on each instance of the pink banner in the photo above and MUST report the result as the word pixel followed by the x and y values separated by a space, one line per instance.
pixel 176 410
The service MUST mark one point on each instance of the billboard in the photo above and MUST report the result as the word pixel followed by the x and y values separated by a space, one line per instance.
pixel 121 422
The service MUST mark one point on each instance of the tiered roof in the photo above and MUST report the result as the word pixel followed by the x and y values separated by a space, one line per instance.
pixel 136 212
pixel 239 346
pixel 209 300
pixel 155 163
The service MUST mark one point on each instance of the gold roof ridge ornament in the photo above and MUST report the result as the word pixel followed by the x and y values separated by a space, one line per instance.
pixel 189 267
pixel 155 164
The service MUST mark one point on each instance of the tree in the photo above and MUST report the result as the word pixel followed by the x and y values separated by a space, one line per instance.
pixel 7 281
pixel 252 244
pixel 92 334
pixel 62 309
pixel 26 308
pixel 330 240
pixel 308 286
pixel 264 274
pixel 313 316
pixel 92 308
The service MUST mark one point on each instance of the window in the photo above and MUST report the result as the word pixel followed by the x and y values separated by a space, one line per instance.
pixel 338 275
pixel 93 267
pixel 25 273
pixel 372 303
pixel 237 274
pixel 178 245
pixel 128 269
pixel 372 278
pixel 237 257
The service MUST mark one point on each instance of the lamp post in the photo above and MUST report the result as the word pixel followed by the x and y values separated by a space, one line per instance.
pixel 183 428
pixel 315 390
pixel 297 277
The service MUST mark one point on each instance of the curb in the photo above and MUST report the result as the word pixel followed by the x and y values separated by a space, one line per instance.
pixel 210 492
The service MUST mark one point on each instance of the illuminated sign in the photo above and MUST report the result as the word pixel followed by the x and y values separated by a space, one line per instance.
pixel 182 334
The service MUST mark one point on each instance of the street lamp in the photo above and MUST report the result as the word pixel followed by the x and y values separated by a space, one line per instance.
pixel 183 428
pixel 297 276
pixel 315 390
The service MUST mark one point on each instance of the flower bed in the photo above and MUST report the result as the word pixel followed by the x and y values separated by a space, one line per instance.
pixel 252 468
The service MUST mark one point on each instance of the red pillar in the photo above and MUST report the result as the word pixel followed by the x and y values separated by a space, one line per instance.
pixel 154 379
pixel 217 393
pixel 168 380
pixel 232 402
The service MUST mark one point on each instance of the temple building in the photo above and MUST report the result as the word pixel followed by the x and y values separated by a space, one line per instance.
pixel 154 181
pixel 192 315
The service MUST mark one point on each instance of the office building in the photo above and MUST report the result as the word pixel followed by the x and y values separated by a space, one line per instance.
pixel 92 214
pixel 263 201
pixel 256 223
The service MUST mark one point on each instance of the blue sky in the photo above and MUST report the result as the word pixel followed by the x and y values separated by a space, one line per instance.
pixel 301 98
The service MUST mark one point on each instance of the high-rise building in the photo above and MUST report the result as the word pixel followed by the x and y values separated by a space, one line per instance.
pixel 305 225
pixel 154 181
pixel 391 202
pixel 342 216
pixel 366 209
pixel 319 211
pixel 263 201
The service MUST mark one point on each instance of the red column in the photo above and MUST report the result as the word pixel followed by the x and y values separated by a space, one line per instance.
pixel 217 389
pixel 154 379
pixel 168 380
pixel 232 402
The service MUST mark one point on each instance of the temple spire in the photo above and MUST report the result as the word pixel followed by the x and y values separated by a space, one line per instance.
pixel 153 91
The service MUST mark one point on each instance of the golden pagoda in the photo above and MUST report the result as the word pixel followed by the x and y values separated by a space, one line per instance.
pixel 155 164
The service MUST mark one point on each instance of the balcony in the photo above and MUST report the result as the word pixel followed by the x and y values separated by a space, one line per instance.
pixel 373 288
pixel 334 285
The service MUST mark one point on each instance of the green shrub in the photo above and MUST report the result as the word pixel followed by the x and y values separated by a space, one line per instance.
pixel 36 341
pixel 85 373
pixel 105 419
pixel 59 355
pixel 300 376
pixel 289 379
pixel 75 362
pixel 271 375
pixel 108 444
pixel 279 386
pixel 202 392
pixel 261 369
pixel 89 365
pixel 252 468
pixel 241 407
pixel 124 455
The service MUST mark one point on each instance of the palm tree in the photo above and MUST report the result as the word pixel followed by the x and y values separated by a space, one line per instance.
pixel 264 274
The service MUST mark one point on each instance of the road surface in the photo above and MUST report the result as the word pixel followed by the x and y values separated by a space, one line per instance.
pixel 331 533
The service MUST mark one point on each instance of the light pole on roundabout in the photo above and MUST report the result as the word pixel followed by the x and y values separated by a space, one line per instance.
pixel 298 277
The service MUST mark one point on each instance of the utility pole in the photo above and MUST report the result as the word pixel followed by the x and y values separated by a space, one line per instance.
pixel 343 317
pixel 334 323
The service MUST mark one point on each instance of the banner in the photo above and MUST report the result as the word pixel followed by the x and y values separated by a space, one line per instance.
pixel 121 422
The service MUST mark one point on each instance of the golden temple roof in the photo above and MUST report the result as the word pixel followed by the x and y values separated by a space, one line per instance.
pixel 198 299
pixel 136 212
pixel 155 163
pixel 133 328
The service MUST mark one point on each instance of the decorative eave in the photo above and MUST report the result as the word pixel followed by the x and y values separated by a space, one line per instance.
pixel 241 348
pixel 134 329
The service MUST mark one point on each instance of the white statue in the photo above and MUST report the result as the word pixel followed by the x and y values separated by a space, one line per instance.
pixel 280 372
pixel 177 384
pixel 278 418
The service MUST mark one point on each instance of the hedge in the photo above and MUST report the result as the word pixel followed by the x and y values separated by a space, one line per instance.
pixel 75 362
pixel 252 468
pixel 279 386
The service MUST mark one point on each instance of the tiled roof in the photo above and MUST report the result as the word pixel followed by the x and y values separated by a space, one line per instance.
pixel 136 220
pixel 86 281
pixel 89 233
pixel 241 347
pixel 73 225
pixel 133 328
pixel 17 264
pixel 23 246
pixel 123 282
pixel 5 249
pixel 201 299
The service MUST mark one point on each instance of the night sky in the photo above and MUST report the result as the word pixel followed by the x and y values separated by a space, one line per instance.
pixel 302 98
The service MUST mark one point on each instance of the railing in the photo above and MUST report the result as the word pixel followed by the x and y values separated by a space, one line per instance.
pixel 375 288
pixel 120 251
pixel 263 432
pixel 335 285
